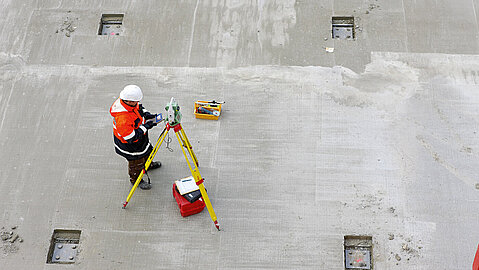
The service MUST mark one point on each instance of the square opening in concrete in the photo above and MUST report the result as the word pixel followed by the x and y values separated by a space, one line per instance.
pixel 357 252
pixel 63 246
pixel 343 27
pixel 111 24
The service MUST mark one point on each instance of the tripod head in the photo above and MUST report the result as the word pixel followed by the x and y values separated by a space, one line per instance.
pixel 173 115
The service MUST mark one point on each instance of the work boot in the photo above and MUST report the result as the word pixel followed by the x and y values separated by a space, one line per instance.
pixel 144 185
pixel 154 165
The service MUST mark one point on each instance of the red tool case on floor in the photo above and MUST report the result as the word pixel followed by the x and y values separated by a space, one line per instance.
pixel 187 208
pixel 475 264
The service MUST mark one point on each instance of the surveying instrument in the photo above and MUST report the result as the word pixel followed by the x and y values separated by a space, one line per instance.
pixel 173 121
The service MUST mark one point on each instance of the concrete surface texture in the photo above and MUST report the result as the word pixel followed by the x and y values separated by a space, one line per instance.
pixel 378 138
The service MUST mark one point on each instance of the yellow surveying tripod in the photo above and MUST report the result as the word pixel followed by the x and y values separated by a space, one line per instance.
pixel 173 120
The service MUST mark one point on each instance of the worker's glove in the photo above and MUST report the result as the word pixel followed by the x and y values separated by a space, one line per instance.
pixel 145 113
pixel 149 115
pixel 150 124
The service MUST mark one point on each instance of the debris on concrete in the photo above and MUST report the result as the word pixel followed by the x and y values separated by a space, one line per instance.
pixel 9 240
pixel 406 248
pixel 370 201
pixel 67 26
pixel 329 49
pixel 5 236
pixel 373 6
pixel 409 248
pixel 14 237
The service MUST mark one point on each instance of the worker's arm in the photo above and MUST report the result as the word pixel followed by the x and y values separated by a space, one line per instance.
pixel 127 130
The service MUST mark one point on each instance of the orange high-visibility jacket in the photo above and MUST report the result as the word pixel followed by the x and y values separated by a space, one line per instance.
pixel 130 136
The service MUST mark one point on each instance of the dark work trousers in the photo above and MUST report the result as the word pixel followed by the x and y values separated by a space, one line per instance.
pixel 135 167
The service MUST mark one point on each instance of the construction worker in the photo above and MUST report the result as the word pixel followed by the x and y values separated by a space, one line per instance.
pixel 130 130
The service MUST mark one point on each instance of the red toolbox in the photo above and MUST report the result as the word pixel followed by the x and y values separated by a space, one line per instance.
pixel 187 208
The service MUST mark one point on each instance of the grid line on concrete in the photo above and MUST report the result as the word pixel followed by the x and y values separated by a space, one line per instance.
pixel 405 25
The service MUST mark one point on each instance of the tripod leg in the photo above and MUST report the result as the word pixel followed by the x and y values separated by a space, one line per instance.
pixel 199 180
pixel 147 165
pixel 189 147
pixel 157 146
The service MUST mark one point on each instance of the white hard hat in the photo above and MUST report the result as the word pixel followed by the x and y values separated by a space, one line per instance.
pixel 131 93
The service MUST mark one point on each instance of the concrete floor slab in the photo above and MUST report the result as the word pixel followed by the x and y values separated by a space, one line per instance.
pixel 373 139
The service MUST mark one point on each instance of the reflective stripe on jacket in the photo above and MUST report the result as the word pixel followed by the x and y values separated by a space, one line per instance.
pixel 130 136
